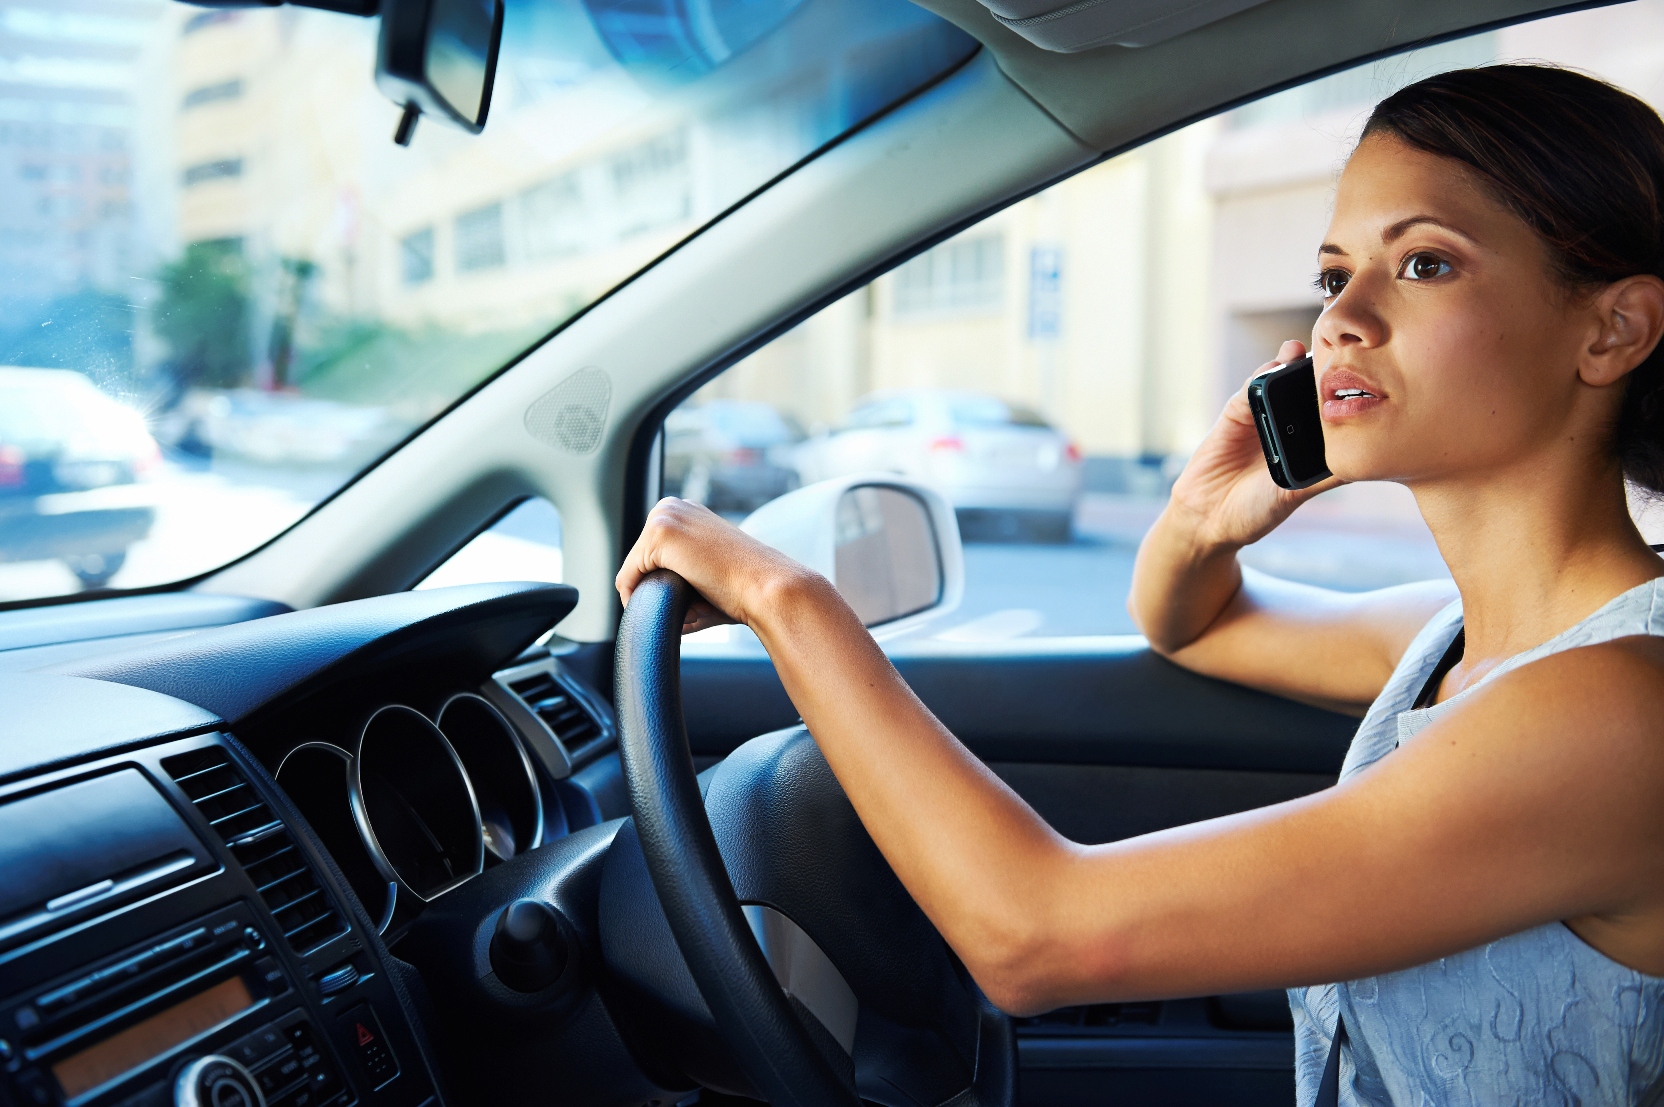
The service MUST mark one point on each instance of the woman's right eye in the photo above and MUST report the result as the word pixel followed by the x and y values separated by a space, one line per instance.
pixel 1332 282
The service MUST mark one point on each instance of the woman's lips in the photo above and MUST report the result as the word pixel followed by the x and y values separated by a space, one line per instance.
pixel 1345 393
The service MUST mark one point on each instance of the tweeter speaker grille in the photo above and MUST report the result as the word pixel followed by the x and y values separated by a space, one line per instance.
pixel 571 415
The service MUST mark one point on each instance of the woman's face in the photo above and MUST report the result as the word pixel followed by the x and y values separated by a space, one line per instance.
pixel 1445 348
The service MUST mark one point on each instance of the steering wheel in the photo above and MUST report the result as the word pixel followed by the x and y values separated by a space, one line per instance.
pixel 776 832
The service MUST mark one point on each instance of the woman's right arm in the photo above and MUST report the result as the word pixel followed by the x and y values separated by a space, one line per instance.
pixel 1199 607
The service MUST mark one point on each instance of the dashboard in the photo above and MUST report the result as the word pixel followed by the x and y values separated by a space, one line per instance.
pixel 215 841
pixel 412 799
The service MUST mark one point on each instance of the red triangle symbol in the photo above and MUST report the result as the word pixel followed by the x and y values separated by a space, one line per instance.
pixel 364 1036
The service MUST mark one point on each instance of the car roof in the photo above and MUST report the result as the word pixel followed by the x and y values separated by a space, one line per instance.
pixel 1111 97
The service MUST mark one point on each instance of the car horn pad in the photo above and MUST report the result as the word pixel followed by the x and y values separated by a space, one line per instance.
pixel 790 839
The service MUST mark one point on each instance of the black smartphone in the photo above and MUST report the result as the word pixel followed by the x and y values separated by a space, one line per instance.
pixel 1284 403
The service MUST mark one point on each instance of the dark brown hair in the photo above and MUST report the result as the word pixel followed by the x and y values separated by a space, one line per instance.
pixel 1582 163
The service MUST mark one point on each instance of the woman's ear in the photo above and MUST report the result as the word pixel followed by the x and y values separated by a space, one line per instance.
pixel 1630 314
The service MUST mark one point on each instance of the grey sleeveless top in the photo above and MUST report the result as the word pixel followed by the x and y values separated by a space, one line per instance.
pixel 1534 1018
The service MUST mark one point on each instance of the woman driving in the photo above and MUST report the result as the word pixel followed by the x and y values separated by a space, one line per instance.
pixel 1475 912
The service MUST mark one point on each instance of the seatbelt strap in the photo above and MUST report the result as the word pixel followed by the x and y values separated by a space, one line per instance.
pixel 1328 1089
pixel 1452 655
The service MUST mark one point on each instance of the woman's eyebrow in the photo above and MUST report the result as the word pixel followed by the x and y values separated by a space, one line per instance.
pixel 1396 231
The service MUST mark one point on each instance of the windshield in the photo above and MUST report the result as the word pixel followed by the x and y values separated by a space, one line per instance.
pixel 249 293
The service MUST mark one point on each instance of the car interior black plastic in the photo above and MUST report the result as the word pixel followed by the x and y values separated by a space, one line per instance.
pixel 775 829
pixel 92 771
pixel 234 670
pixel 777 1054
pixel 85 842
pixel 25 627
pixel 1110 701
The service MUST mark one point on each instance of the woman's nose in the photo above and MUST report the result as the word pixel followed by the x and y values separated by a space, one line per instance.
pixel 1350 319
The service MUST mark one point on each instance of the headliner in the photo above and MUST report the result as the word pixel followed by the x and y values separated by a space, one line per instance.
pixel 1115 96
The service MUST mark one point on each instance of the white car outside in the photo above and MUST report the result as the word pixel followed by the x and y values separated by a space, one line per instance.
pixel 1006 471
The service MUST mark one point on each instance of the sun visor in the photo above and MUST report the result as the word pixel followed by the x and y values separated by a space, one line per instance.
pixel 1067 28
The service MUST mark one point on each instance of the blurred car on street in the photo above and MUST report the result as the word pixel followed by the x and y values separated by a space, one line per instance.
pixel 279 428
pixel 733 456
pixel 1009 474
pixel 70 457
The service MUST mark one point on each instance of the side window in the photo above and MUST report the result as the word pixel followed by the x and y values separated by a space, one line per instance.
pixel 522 545
pixel 1060 360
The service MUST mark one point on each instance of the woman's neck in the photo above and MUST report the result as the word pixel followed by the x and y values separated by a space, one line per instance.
pixel 1532 554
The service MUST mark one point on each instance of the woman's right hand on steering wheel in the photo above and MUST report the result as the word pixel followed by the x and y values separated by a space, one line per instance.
pixel 1226 493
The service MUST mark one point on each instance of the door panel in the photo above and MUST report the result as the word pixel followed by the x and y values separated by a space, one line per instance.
pixel 1092 701
pixel 1105 803
pixel 1105 740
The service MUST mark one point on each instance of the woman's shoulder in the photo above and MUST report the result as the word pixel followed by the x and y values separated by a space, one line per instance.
pixel 1604 696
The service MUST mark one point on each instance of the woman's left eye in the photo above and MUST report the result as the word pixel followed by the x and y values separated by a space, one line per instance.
pixel 1424 267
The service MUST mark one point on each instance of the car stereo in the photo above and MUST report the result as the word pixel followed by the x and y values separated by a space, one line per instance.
pixel 211 986
pixel 167 938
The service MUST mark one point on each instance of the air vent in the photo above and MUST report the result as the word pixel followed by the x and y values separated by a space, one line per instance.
pixel 261 843
pixel 561 710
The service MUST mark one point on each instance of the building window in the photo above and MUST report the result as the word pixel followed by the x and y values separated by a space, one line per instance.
pixel 479 238
pixel 222 169
pixel 962 275
pixel 416 256
pixel 652 184
pixel 552 220
pixel 208 94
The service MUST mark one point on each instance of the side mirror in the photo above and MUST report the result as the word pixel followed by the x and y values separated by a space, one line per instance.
pixel 439 57
pixel 889 544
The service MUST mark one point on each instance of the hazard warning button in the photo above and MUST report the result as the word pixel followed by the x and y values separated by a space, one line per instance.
pixel 361 1033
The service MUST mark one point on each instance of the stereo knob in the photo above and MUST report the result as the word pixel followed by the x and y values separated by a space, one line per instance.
pixel 216 1081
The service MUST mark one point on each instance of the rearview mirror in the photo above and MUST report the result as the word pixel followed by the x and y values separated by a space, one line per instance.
pixel 439 57
pixel 890 545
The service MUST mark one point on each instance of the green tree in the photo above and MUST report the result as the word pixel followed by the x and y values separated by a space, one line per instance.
pixel 204 315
